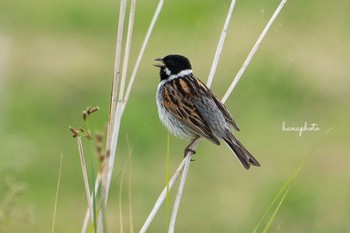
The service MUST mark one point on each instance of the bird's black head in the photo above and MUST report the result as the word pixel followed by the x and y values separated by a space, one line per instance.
pixel 172 64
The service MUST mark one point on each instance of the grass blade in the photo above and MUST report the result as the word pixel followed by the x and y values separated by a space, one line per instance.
pixel 282 193
pixel 56 197
pixel 268 225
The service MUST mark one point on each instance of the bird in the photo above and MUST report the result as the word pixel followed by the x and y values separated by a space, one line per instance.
pixel 190 109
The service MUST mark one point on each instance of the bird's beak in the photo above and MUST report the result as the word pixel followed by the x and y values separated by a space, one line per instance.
pixel 161 63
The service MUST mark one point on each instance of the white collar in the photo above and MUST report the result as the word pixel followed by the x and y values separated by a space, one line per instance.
pixel 180 74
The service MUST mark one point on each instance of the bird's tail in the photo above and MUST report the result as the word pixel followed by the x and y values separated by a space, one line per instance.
pixel 241 152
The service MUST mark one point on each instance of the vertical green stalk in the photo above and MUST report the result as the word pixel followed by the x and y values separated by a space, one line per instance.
pixel 56 198
pixel 282 193
pixel 93 188
pixel 167 177
pixel 92 181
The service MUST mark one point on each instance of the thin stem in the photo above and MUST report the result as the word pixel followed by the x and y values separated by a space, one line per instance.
pixel 252 52
pixel 87 214
pixel 162 197
pixel 120 198
pixel 111 125
pixel 116 74
pixel 118 113
pixel 127 50
pixel 179 194
pixel 56 197
pixel 131 224
pixel 121 106
pixel 144 44
pixel 220 44
pixel 114 144
pixel 85 177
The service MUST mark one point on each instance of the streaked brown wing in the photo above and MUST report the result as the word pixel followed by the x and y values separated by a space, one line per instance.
pixel 220 105
pixel 178 96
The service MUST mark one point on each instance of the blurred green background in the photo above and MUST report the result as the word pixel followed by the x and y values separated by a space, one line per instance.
pixel 57 57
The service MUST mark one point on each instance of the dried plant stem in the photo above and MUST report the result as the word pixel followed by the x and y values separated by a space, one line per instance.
pixel 162 197
pixel 252 52
pixel 112 115
pixel 168 187
pixel 121 105
pixel 116 74
pixel 127 50
pixel 187 159
pixel 85 177
pixel 220 44
pixel 117 107
pixel 143 47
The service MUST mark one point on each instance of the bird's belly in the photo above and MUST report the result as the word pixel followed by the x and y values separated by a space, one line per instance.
pixel 175 126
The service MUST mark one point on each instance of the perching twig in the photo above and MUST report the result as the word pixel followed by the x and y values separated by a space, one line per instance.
pixel 162 197
pixel 188 160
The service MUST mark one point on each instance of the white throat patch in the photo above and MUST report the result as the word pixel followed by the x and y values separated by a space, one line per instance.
pixel 167 71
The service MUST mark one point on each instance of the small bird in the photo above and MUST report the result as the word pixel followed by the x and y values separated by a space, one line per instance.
pixel 189 109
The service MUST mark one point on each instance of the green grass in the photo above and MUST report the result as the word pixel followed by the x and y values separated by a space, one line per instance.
pixel 60 60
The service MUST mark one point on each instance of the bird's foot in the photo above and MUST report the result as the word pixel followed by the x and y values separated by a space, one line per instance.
pixel 189 150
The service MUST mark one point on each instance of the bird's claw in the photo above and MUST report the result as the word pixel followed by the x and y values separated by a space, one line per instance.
pixel 188 150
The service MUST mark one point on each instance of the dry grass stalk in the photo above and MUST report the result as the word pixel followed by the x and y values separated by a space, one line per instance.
pixel 114 125
pixel 87 214
pixel 117 105
pixel 220 44
pixel 85 176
